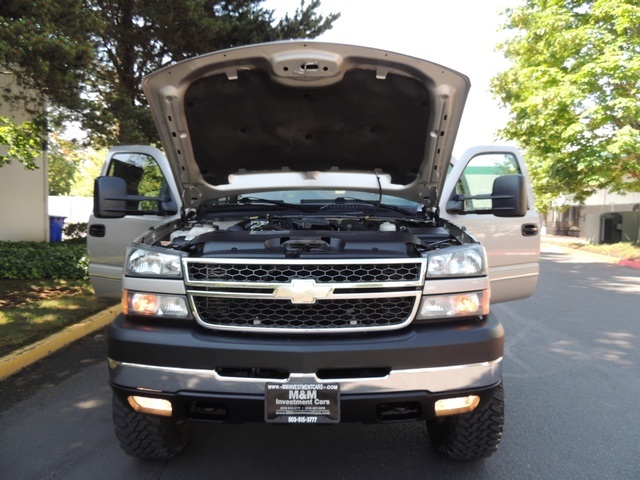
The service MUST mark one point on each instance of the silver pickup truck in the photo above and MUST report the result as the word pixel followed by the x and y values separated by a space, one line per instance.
pixel 307 251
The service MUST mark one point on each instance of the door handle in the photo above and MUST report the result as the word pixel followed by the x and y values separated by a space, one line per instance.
pixel 97 230
pixel 529 230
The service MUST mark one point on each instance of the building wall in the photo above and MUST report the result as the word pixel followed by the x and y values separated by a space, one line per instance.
pixel 23 193
pixel 586 220
pixel 23 200
pixel 604 199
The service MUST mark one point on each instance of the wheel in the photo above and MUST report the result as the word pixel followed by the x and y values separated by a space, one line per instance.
pixel 470 436
pixel 149 436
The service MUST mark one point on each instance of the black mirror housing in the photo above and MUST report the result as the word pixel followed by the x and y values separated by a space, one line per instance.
pixel 508 199
pixel 509 196
pixel 110 200
pixel 109 197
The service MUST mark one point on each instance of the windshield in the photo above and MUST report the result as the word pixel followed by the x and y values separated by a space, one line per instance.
pixel 302 197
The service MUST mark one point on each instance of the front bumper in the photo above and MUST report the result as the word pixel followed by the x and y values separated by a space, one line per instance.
pixel 222 377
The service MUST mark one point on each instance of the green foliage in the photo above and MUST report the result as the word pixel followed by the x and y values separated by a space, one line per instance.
pixel 72 169
pixel 88 166
pixel 573 92
pixel 23 142
pixel 150 183
pixel 62 166
pixel 36 260
pixel 89 56
pixel 48 46
pixel 75 230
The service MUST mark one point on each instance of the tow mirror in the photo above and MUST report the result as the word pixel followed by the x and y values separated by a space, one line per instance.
pixel 109 197
pixel 508 199
pixel 110 200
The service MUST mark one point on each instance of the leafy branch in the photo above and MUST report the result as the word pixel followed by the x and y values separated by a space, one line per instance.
pixel 22 142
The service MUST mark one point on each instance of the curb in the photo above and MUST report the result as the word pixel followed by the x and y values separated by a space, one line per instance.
pixel 629 263
pixel 16 361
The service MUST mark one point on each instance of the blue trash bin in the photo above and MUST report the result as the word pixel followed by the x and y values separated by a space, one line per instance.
pixel 55 228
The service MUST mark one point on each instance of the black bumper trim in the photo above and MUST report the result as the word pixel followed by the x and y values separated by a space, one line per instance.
pixel 152 342
pixel 357 408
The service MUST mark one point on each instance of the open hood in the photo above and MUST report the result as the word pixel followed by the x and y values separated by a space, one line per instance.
pixel 308 115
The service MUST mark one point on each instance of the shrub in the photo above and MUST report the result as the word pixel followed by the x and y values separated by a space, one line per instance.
pixel 75 230
pixel 36 260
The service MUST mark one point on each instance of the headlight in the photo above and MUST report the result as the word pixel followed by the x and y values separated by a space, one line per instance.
pixel 458 262
pixel 469 304
pixel 151 304
pixel 143 262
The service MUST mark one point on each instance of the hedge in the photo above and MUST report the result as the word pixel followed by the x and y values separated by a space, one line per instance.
pixel 35 260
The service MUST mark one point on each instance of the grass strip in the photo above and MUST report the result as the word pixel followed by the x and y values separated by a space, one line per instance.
pixel 624 251
pixel 31 310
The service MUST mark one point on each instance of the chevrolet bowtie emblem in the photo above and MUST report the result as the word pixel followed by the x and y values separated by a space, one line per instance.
pixel 302 291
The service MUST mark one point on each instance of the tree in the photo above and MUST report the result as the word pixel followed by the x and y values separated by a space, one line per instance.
pixel 44 51
pixel 573 94
pixel 47 45
pixel 88 168
pixel 72 168
pixel 23 142
pixel 62 168
pixel 89 56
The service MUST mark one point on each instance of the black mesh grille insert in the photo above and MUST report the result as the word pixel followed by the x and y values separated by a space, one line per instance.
pixel 321 273
pixel 324 314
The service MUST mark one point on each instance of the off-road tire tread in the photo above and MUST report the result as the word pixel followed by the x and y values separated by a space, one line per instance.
pixel 470 436
pixel 149 436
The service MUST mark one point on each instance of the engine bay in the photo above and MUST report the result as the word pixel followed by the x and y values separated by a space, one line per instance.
pixel 307 237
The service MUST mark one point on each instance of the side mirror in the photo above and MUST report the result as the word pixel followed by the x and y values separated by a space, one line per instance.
pixel 508 199
pixel 110 200
pixel 509 196
pixel 109 197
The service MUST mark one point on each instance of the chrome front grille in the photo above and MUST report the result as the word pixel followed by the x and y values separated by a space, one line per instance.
pixel 302 296
pixel 320 272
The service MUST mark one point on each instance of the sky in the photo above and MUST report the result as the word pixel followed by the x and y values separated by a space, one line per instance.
pixel 459 34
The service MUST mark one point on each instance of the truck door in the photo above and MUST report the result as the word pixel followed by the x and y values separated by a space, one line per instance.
pixel 512 243
pixel 147 173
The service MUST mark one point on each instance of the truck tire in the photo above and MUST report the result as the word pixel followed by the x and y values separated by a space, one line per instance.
pixel 470 436
pixel 149 436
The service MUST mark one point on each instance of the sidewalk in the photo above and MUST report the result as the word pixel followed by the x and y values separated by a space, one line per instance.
pixel 564 244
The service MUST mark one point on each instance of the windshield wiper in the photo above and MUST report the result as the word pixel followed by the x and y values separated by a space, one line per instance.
pixel 378 205
pixel 254 200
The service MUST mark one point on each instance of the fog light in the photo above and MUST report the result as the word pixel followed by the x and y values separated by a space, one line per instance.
pixel 453 406
pixel 153 406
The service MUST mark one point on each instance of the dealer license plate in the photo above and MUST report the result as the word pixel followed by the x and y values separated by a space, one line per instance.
pixel 302 403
